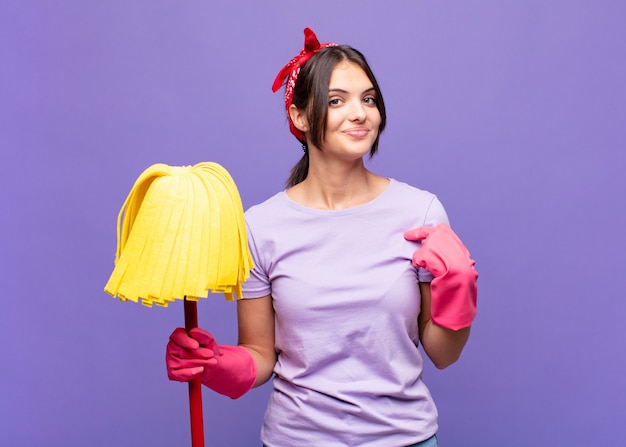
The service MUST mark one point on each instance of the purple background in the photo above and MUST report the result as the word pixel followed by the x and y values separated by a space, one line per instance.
pixel 514 113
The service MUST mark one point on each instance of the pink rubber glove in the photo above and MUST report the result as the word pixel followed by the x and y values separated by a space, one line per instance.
pixel 454 290
pixel 228 370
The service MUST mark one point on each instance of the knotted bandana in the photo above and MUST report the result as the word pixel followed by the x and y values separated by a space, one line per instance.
pixel 290 73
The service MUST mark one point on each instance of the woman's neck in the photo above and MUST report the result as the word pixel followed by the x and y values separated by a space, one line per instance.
pixel 338 187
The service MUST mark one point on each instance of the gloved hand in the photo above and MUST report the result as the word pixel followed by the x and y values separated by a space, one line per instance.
pixel 454 289
pixel 228 370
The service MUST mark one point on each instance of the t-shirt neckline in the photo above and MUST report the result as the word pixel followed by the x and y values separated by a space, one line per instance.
pixel 352 210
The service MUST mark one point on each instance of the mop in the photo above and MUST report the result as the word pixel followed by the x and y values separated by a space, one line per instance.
pixel 180 235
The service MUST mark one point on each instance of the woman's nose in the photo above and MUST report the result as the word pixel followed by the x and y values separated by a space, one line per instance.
pixel 357 112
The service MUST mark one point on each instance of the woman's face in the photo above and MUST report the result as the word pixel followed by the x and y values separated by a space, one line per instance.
pixel 353 118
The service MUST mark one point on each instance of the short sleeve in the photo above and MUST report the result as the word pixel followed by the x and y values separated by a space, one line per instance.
pixel 258 284
pixel 435 215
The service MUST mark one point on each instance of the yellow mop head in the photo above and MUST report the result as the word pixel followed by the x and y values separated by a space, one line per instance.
pixel 180 233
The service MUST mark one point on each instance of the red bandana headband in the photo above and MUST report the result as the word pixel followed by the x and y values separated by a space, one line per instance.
pixel 290 73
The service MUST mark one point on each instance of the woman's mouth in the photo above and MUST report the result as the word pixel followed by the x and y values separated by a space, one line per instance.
pixel 357 132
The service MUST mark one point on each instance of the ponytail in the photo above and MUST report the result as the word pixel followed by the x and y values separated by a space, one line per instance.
pixel 300 171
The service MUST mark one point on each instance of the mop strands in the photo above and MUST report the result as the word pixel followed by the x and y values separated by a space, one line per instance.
pixel 180 234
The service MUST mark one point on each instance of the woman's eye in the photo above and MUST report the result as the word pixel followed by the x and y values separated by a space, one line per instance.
pixel 369 100
pixel 334 102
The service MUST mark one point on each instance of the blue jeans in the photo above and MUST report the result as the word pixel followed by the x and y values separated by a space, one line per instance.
pixel 430 442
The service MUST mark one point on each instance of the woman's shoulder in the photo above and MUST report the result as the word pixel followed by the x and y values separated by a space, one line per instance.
pixel 399 187
pixel 272 204
pixel 416 202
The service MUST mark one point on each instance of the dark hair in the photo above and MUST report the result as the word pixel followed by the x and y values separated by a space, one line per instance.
pixel 311 95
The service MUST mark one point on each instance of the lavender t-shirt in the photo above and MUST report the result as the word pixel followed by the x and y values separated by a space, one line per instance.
pixel 346 299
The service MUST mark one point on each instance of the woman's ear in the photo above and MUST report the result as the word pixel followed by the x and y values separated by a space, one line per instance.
pixel 298 118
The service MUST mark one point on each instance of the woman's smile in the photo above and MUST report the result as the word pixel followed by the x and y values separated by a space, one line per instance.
pixel 357 132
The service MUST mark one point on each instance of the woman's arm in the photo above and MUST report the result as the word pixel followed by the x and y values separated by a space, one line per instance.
pixel 443 346
pixel 256 333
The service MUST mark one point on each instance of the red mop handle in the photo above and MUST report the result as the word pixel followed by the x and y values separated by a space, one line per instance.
pixel 195 385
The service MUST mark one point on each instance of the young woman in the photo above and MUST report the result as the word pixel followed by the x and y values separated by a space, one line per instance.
pixel 343 291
